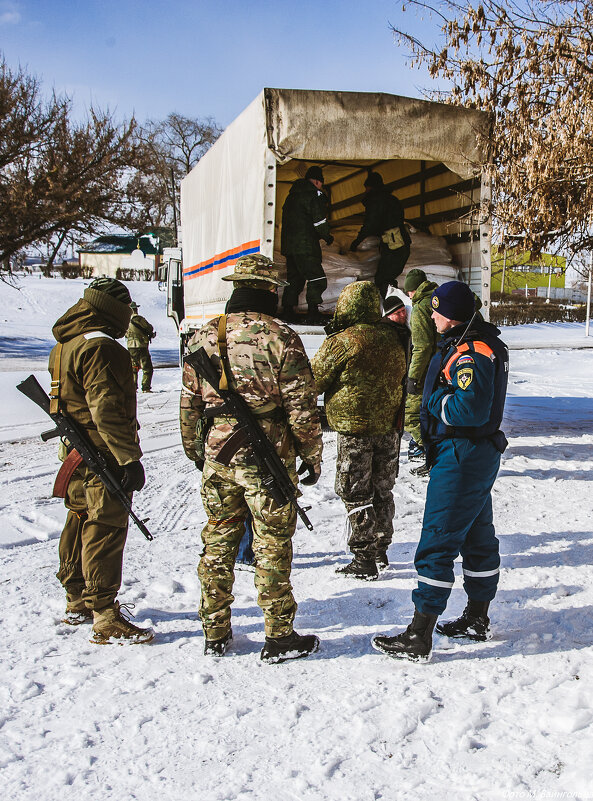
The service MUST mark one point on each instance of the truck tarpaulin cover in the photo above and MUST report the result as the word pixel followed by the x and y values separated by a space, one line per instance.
pixel 228 200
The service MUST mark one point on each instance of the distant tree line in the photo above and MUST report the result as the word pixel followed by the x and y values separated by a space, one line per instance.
pixel 62 179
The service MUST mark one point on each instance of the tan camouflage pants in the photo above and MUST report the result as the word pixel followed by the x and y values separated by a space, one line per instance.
pixel 366 470
pixel 228 493
pixel 92 541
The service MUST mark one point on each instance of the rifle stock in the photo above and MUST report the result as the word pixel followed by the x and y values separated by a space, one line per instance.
pixel 93 458
pixel 273 472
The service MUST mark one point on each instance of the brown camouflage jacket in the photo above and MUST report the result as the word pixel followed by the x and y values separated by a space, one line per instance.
pixel 360 368
pixel 271 371
pixel 97 384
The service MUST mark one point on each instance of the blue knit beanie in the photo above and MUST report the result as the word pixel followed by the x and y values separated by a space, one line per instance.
pixel 454 300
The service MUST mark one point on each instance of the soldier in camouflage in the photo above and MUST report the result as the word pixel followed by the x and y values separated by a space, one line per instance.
pixel 360 367
pixel 424 346
pixel 267 365
pixel 138 336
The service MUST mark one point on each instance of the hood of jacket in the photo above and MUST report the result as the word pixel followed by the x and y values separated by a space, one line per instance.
pixel 95 311
pixel 359 302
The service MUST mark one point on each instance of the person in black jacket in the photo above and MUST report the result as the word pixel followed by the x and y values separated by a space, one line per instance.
pixel 384 217
pixel 304 223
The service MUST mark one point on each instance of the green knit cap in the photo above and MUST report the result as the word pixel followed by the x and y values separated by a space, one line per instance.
pixel 113 287
pixel 413 280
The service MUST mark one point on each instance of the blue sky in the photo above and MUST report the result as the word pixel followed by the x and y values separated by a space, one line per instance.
pixel 204 58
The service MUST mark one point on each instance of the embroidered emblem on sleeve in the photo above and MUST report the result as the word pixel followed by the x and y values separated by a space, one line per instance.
pixel 464 377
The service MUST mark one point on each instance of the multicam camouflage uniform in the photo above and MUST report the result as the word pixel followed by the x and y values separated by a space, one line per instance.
pixel 360 368
pixel 271 371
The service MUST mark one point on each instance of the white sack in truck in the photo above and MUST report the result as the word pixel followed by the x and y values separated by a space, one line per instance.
pixel 342 266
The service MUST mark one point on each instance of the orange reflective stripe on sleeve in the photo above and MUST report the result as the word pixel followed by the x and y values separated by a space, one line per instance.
pixel 484 349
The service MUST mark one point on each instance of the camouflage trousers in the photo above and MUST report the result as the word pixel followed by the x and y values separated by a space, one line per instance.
pixel 412 418
pixel 298 270
pixel 228 494
pixel 366 470
pixel 92 542
pixel 141 361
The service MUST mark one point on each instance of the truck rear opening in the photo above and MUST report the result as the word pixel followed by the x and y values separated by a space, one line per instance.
pixel 430 155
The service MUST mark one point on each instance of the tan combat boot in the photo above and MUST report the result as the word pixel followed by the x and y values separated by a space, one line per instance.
pixel 111 626
pixel 77 612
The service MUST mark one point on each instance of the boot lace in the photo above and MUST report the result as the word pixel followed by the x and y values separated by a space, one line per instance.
pixel 127 609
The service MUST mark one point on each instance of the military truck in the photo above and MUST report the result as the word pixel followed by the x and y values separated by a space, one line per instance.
pixel 431 155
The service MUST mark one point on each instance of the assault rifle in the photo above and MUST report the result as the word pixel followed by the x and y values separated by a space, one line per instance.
pixel 67 428
pixel 273 472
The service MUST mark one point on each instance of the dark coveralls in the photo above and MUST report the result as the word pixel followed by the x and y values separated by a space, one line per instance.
pixel 462 409
pixel 384 211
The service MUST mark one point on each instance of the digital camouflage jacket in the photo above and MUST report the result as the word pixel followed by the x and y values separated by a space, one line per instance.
pixel 304 220
pixel 139 332
pixel 271 371
pixel 96 382
pixel 361 366
pixel 424 333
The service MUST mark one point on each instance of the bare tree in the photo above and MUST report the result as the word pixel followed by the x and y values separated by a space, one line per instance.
pixel 167 151
pixel 529 63
pixel 57 177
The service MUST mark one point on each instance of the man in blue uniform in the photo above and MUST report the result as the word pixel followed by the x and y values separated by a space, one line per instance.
pixel 462 409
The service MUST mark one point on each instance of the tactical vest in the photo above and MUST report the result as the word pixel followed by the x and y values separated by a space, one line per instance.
pixel 439 372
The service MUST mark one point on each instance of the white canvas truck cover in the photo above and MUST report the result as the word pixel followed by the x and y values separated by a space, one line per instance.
pixel 228 200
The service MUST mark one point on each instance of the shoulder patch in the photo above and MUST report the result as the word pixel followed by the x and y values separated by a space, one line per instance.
pixel 465 360
pixel 464 377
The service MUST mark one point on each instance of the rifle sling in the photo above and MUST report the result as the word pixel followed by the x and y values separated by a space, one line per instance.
pixel 54 393
pixel 223 353
pixel 69 465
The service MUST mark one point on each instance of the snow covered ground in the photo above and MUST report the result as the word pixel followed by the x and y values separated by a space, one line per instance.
pixel 511 718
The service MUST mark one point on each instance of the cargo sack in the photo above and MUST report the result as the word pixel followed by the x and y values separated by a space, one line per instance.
pixel 393 238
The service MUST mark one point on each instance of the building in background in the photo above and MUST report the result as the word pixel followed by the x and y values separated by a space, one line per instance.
pixel 123 256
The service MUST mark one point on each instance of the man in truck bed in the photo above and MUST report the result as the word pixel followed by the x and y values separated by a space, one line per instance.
pixel 304 223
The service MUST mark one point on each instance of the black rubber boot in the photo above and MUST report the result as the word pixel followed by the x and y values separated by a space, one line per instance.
pixel 292 646
pixel 415 643
pixel 218 647
pixel 365 569
pixel 474 623
pixel 422 470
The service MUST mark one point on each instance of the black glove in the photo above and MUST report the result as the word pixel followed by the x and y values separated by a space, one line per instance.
pixel 330 240
pixel 412 387
pixel 199 464
pixel 354 245
pixel 313 473
pixel 133 478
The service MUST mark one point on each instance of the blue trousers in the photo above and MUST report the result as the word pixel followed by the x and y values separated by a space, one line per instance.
pixel 458 520
pixel 245 553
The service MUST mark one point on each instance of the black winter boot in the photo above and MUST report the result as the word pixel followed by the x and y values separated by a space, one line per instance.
pixel 218 647
pixel 382 560
pixel 292 646
pixel 415 643
pixel 474 623
pixel 415 452
pixel 365 569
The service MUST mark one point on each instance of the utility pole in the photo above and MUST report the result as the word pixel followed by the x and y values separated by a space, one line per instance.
pixel 588 312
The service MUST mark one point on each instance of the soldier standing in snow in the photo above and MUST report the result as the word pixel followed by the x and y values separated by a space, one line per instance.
pixel 384 217
pixel 267 365
pixel 92 377
pixel 462 409
pixel 360 367
pixel 304 223
pixel 138 336
pixel 424 346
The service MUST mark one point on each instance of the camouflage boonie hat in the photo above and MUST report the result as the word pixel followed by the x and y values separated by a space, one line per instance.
pixel 255 268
